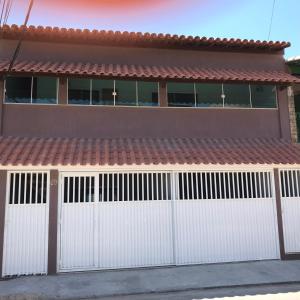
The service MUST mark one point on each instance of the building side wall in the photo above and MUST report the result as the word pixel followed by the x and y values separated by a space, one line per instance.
pixel 143 56
pixel 109 122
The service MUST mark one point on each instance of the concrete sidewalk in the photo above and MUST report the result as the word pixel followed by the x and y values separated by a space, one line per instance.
pixel 90 285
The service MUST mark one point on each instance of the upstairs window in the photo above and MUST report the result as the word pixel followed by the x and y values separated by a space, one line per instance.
pixel 102 92
pixel 125 93
pixel 181 94
pixel 112 92
pixel 18 90
pixel 79 91
pixel 40 90
pixel 263 96
pixel 44 90
pixel 236 95
pixel 147 93
pixel 221 95
pixel 209 94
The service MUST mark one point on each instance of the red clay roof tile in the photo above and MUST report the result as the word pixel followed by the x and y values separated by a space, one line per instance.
pixel 136 39
pixel 22 151
pixel 148 72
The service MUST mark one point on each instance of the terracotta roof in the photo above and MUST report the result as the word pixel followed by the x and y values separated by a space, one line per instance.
pixel 22 151
pixel 148 72
pixel 137 39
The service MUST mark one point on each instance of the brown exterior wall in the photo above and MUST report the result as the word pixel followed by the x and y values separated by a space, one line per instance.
pixel 143 56
pixel 284 117
pixel 1 102
pixel 53 223
pixel 108 122
pixel 3 177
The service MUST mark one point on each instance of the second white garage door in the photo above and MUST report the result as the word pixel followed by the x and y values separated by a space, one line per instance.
pixel 125 220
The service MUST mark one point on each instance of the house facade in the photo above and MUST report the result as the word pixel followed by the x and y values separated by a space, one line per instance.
pixel 125 150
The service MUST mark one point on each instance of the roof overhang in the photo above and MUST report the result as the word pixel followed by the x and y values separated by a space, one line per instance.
pixel 194 74
pixel 136 39
pixel 19 152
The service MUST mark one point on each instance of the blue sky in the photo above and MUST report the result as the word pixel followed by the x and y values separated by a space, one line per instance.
pixel 217 18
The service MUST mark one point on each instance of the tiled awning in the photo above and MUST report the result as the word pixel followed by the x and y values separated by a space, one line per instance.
pixel 148 72
pixel 18 151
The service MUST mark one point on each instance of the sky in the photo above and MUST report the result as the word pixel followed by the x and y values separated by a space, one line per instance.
pixel 245 19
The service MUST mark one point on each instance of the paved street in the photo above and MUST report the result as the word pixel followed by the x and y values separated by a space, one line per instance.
pixel 268 292
pixel 185 282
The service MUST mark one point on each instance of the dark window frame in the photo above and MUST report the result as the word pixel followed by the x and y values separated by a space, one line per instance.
pixel 31 92
pixel 115 95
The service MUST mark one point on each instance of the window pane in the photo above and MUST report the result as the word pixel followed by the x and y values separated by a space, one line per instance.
pixel 79 91
pixel 263 96
pixel 126 93
pixel 181 94
pixel 44 90
pixel 209 94
pixel 18 90
pixel 147 93
pixel 103 92
pixel 237 95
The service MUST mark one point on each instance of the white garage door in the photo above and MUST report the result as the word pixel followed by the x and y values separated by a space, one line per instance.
pixel 118 220
pixel 225 217
pixel 122 220
pixel 26 224
pixel 290 201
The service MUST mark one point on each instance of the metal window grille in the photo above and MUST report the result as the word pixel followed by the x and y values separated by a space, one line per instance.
pixel 28 188
pixel 79 189
pixel 223 185
pixel 134 187
pixel 290 183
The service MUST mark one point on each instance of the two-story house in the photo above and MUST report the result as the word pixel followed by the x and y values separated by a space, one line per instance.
pixel 122 150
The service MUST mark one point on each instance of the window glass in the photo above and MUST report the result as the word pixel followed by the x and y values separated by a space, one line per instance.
pixel 18 90
pixel 125 92
pixel 103 92
pixel 44 90
pixel 147 93
pixel 237 95
pixel 181 94
pixel 209 94
pixel 263 96
pixel 79 91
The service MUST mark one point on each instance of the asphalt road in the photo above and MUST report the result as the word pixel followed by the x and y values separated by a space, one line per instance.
pixel 266 292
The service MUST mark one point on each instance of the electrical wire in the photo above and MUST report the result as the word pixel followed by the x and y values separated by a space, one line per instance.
pixel 16 52
pixel 10 3
pixel 271 22
pixel 2 12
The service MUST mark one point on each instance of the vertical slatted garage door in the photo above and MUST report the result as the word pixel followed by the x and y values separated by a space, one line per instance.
pixel 163 218
pixel 26 224
pixel 224 217
pixel 126 221
pixel 290 200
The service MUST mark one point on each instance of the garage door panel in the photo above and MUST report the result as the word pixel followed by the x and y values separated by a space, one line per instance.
pixel 290 202
pixel 77 227
pixel 225 216
pixel 135 234
pixel 26 224
pixel 211 231
pixel 77 235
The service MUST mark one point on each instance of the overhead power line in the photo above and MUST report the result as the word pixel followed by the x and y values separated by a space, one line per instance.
pixel 271 21
pixel 16 52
